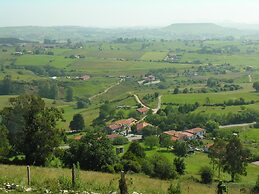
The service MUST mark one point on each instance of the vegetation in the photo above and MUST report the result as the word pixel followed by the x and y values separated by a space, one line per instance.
pixel 207 84
pixel 33 132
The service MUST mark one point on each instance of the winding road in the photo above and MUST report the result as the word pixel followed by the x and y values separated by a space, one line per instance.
pixel 155 110
pixel 238 125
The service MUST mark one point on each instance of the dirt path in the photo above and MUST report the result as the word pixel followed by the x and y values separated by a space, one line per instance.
pixel 250 78
pixel 106 90
pixel 237 125
pixel 155 110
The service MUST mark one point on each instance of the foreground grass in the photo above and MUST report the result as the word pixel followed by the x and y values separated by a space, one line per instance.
pixel 103 182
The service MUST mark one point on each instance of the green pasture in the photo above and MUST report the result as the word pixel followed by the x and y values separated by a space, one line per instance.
pixel 153 56
pixel 39 60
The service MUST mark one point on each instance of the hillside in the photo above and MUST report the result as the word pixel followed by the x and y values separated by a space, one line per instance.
pixel 174 31
pixel 59 179
pixel 200 30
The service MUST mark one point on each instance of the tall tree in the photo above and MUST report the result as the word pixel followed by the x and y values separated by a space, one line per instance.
pixel 7 85
pixel 151 141
pixel 216 154
pixel 32 127
pixel 94 151
pixel 107 110
pixel 4 142
pixel 54 91
pixel 165 141
pixel 256 86
pixel 136 149
pixel 180 148
pixel 77 123
pixel 44 89
pixel 69 94
pixel 236 158
pixel 179 165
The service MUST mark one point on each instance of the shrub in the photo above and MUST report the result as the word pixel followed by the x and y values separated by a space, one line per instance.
pixel 180 148
pixel 120 141
pixel 147 167
pixel 256 187
pixel 179 165
pixel 174 189
pixel 131 165
pixel 163 169
pixel 54 162
pixel 108 168
pixel 206 175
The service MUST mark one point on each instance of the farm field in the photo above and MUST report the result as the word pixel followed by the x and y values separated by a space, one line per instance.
pixel 104 76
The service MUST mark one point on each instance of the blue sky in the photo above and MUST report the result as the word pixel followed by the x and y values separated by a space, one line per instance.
pixel 125 13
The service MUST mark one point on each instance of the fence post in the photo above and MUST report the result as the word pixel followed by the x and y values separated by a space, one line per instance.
pixel 73 176
pixel 28 175
pixel 122 184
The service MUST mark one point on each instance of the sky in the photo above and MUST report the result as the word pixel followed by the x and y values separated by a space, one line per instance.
pixel 126 13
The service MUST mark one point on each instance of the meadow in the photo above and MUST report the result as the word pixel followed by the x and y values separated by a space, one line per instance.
pixel 107 62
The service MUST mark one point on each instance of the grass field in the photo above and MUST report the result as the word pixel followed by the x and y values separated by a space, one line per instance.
pixel 154 56
pixel 102 182
pixel 247 93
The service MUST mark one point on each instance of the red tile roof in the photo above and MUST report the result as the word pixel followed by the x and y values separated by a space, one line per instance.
pixel 113 136
pixel 178 135
pixel 143 110
pixel 78 137
pixel 171 133
pixel 129 122
pixel 142 125
pixel 195 130
pixel 114 127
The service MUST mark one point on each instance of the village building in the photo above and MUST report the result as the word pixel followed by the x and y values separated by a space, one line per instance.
pixel 190 134
pixel 113 136
pixel 140 126
pixel 143 110
pixel 121 126
pixel 84 77
pixel 199 133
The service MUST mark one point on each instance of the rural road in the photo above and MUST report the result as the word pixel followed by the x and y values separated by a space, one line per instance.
pixel 237 125
pixel 155 110
pixel 106 90
pixel 250 78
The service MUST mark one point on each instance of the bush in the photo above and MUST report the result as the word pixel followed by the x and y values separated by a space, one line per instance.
pixel 206 175
pixel 147 167
pixel 120 141
pixel 131 165
pixel 108 168
pixel 256 187
pixel 180 148
pixel 179 165
pixel 163 169
pixel 54 162
pixel 174 189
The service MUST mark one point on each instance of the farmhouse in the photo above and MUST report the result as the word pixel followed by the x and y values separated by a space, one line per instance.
pixel 190 134
pixel 197 132
pixel 84 77
pixel 178 135
pixel 149 78
pixel 121 125
pixel 141 126
pixel 143 110
pixel 113 136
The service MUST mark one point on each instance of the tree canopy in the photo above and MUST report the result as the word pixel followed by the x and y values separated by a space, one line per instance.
pixel 77 123
pixel 94 152
pixel 32 127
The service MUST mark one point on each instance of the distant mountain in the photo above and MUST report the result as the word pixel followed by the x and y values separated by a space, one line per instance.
pixel 13 41
pixel 187 31
pixel 205 30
